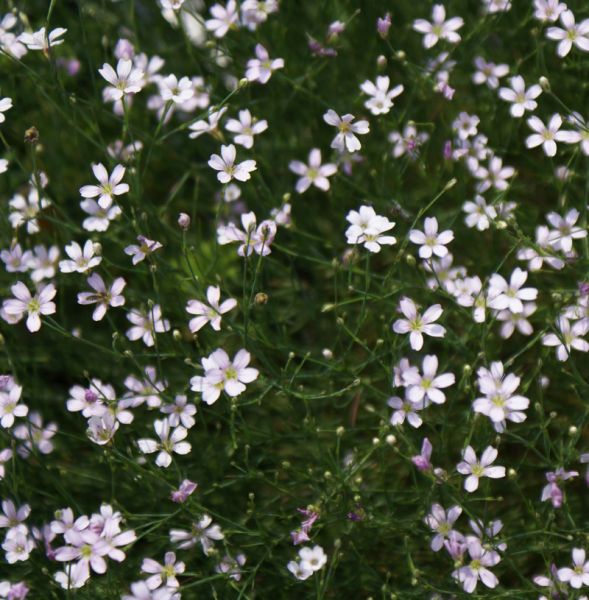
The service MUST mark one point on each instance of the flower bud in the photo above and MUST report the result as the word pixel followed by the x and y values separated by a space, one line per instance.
pixel 183 221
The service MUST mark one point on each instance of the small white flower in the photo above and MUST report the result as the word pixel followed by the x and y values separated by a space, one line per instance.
pixel 520 98
pixel 569 34
pixel 475 469
pixel 430 241
pixel 478 213
pixel 170 442
pixel 260 69
pixel 488 72
pixel 126 80
pixel 102 296
pixel 503 295
pixel 381 100
pixel 147 324
pixel 439 28
pixel 109 185
pixel 246 128
pixel 367 228
pixel 314 174
pixel 569 337
pixel 227 168
pixel 427 387
pixel 223 19
pixel 211 312
pixel 417 325
pixel 81 260
pixel 547 135
pixel 221 373
pixel 33 306
pixel 578 576
pixel 346 137
pixel 5 104
pixel 39 40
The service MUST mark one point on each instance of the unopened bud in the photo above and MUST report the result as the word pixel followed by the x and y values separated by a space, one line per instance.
pixel 31 135
pixel 183 221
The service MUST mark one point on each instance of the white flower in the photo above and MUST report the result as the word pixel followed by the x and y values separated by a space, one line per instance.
pixel 10 405
pixel 570 34
pixel 81 260
pixel 545 240
pixel 495 175
pixel 488 72
pixel 99 219
pixel 465 125
pixel 500 403
pixel 224 18
pixel 405 409
pixel 314 174
pixel 512 321
pixel 211 312
pixel 163 575
pixel 180 412
pixel 253 238
pixel 568 338
pixel 146 324
pixel 170 442
pixel 520 98
pixel 408 141
pixel 221 373
pixel 429 240
pixel 102 296
pixel 475 469
pixel 312 559
pixel 578 576
pixel 33 306
pixel 18 544
pixel 39 40
pixel 298 571
pixel 548 10
pixel 346 137
pixel 503 295
pixel 481 558
pixel 439 28
pixel 478 213
pixel 25 210
pixel 5 104
pixel 211 125
pixel 246 128
pixel 227 168
pixel 176 91
pixel 204 531
pixel 260 69
pixel 442 523
pixel 124 81
pixel 109 185
pixel 417 325
pixel 565 231
pixel 547 135
pixel 141 252
pixel 495 6
pixel 381 100
pixel 427 387
pixel 367 228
